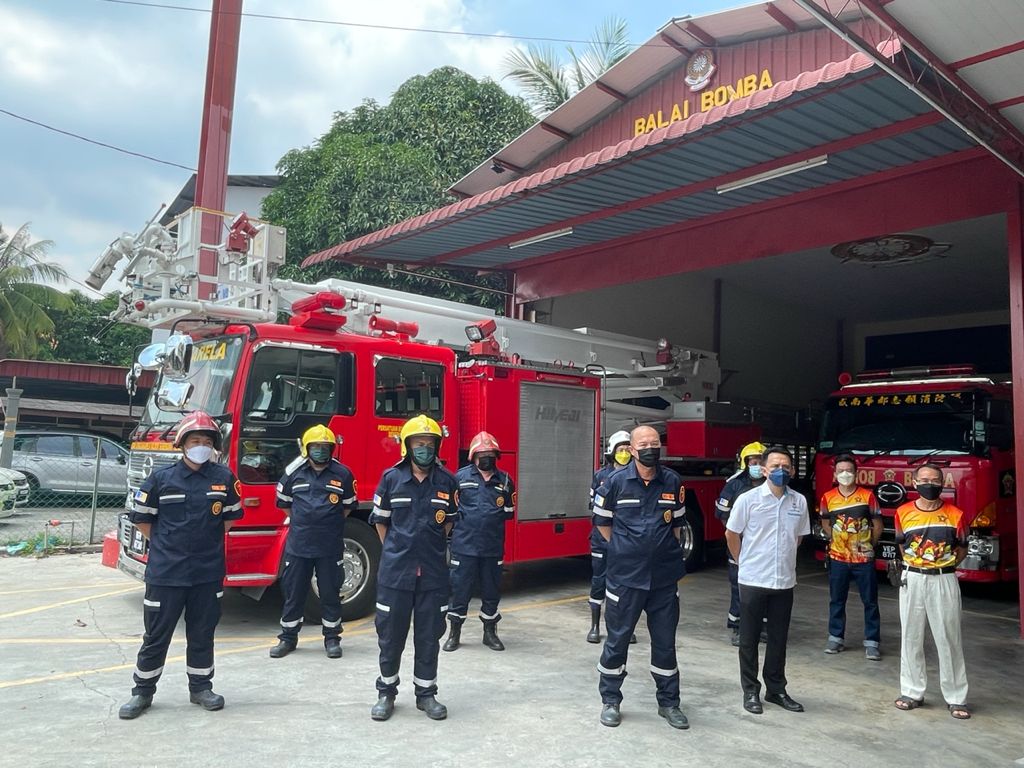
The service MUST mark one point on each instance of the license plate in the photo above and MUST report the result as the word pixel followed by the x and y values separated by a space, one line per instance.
pixel 138 545
pixel 889 551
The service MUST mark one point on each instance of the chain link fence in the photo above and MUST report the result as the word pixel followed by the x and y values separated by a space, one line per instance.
pixel 62 489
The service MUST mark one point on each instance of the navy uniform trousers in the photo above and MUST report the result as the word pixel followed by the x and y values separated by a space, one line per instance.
pixel 426 608
pixel 598 555
pixel 622 611
pixel 733 619
pixel 466 572
pixel 162 607
pixel 295 584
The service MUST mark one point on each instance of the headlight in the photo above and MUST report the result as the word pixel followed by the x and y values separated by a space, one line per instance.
pixel 984 546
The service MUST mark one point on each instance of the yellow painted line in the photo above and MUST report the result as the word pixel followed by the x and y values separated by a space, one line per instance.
pixel 544 603
pixel 61 589
pixel 39 608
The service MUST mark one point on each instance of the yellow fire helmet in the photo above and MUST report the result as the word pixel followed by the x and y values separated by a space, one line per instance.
pixel 419 425
pixel 316 434
pixel 751 449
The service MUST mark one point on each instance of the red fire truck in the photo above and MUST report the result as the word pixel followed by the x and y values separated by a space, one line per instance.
pixel 364 359
pixel 893 421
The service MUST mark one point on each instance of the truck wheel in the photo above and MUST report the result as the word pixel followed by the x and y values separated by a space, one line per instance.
pixel 360 559
pixel 691 537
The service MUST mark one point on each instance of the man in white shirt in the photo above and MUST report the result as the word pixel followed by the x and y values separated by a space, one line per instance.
pixel 763 533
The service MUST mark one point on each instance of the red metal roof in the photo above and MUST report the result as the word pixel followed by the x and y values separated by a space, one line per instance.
pixel 72 373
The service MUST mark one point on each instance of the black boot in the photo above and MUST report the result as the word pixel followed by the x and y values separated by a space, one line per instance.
pixel 207 699
pixel 332 646
pixel 283 648
pixel 435 710
pixel 454 635
pixel 491 639
pixel 383 709
pixel 594 635
pixel 136 706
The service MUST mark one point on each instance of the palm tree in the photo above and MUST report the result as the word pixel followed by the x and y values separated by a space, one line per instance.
pixel 24 298
pixel 548 81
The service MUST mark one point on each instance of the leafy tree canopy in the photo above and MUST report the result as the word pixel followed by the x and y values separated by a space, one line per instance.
pixel 380 164
pixel 83 333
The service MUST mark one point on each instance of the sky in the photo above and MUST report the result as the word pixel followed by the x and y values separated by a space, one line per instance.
pixel 133 76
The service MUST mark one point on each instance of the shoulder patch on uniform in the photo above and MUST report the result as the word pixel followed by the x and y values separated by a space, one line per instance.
pixel 443 495
pixel 218 487
pixel 238 487
pixel 141 496
pixel 599 500
pixel 668 496
pixel 336 483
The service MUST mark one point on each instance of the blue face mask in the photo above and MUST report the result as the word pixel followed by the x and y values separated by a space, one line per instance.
pixel 423 455
pixel 756 471
pixel 779 477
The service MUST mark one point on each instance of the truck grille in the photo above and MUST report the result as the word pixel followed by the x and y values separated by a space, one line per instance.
pixel 141 464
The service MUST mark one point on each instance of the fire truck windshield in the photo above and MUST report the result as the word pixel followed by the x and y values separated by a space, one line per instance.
pixel 913 422
pixel 211 373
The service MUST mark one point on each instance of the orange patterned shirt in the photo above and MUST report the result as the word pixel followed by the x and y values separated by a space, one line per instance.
pixel 851 520
pixel 930 538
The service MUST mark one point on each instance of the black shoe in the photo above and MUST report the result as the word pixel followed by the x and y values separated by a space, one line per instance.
pixel 752 703
pixel 491 639
pixel 332 647
pixel 610 715
pixel 383 709
pixel 454 636
pixel 282 649
pixel 208 700
pixel 594 635
pixel 675 717
pixel 632 639
pixel 435 710
pixel 135 706
pixel 735 638
pixel 783 700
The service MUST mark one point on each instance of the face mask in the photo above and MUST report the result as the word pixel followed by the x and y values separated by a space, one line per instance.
pixel 649 457
pixel 199 454
pixel 845 478
pixel 486 463
pixel 929 491
pixel 423 455
pixel 320 454
pixel 756 471
pixel 779 477
pixel 623 457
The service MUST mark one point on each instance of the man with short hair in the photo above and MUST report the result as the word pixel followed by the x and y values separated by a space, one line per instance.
pixel 763 533
pixel 639 511
pixel 852 522
pixel 932 537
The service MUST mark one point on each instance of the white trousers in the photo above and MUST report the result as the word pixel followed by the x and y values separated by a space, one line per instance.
pixel 932 600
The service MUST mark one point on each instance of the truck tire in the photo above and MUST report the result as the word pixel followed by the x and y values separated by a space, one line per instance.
pixel 691 537
pixel 359 589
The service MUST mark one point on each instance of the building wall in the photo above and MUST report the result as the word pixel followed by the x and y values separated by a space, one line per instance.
pixel 246 199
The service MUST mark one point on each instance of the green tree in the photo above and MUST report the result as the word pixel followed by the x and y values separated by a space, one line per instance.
pixel 24 297
pixel 549 81
pixel 380 164
pixel 85 335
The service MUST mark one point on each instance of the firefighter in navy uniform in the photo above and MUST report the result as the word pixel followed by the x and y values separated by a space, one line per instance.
pixel 486 500
pixel 750 475
pixel 184 510
pixel 414 510
pixel 616 457
pixel 318 493
pixel 640 510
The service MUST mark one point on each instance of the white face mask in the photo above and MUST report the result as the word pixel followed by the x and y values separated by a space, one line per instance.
pixel 845 478
pixel 199 454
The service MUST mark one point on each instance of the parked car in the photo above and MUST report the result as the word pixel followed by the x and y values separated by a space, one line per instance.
pixel 21 485
pixel 8 496
pixel 64 461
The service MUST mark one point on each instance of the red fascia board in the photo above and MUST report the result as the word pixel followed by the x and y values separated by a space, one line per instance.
pixel 72 373
pixel 859 208
pixel 995 53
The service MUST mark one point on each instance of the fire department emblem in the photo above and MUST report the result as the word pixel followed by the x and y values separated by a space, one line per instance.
pixel 217 507
pixel 668 515
pixel 439 516
pixel 889 475
pixel 500 501
pixel 699 69
pixel 334 498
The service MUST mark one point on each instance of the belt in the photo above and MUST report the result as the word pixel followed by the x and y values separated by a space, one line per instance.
pixel 932 571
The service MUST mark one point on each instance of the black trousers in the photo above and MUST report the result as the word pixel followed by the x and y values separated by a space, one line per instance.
pixel 395 609
pixel 598 553
pixel 732 620
pixel 756 605
pixel 295 584
pixel 162 607
pixel 466 572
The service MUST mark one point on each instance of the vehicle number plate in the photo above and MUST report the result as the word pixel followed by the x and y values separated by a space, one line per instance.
pixel 889 552
pixel 138 545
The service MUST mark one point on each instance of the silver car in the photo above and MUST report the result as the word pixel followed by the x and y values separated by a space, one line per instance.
pixel 66 462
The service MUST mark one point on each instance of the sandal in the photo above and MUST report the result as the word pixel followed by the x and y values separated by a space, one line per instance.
pixel 959 711
pixel 906 704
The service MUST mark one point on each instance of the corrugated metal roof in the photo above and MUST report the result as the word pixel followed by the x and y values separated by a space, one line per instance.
pixel 864 121
pixel 72 373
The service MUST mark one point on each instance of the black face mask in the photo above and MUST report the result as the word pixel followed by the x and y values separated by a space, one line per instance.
pixel 929 491
pixel 649 457
pixel 486 463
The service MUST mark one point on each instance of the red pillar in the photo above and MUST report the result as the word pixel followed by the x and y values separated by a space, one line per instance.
pixel 1015 241
pixel 215 131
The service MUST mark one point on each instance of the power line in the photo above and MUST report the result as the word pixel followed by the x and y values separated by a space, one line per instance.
pixel 103 144
pixel 388 27
pixel 28 255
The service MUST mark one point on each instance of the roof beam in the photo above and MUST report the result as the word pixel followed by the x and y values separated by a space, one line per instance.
pixel 679 48
pixel 697 33
pixel 604 88
pixel 995 53
pixel 504 164
pixel 784 21
pixel 556 131
pixel 1007 103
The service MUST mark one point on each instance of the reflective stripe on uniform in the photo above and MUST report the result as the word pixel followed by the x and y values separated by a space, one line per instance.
pixel 144 510
pixel 151 603
pixel 330 624
pixel 283 497
pixel 382 607
pixel 423 683
pixel 290 624
pixel 664 672
pixel 603 513
pixel 628 502
pixel 606 671
pixel 444 608
pixel 442 502
pixel 381 512
pixel 594 601
pixel 142 675
pixel 456 562
pixel 389 679
pixel 232 507
pixel 598 555
pixel 489 617
pixel 402 500
pixel 221 494
pixel 173 497
pixel 300 487
pixel 469 485
pixel 677 513
pixel 199 670
pixel 457 616
pixel 614 598
pixel 220 594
